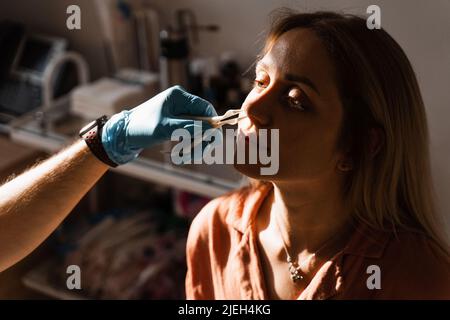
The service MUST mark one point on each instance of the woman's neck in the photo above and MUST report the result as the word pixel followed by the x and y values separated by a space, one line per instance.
pixel 307 214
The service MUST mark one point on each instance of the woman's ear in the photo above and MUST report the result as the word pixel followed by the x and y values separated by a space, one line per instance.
pixel 376 136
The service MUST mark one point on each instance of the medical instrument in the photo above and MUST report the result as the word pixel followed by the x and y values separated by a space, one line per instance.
pixel 231 117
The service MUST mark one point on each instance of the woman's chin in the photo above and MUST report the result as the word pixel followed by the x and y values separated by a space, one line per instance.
pixel 251 170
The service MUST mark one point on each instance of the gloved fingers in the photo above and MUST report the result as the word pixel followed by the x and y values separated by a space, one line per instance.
pixel 182 102
pixel 189 125
pixel 208 133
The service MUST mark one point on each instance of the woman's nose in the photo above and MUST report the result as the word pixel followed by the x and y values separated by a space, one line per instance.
pixel 257 110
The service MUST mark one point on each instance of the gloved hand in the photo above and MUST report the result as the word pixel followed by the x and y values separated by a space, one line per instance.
pixel 127 133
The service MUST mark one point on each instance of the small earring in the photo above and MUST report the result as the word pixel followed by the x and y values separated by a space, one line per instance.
pixel 345 166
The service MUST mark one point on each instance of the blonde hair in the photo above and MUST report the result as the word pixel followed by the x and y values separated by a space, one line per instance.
pixel 392 189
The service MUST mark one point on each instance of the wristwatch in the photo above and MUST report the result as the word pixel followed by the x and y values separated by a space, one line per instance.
pixel 92 135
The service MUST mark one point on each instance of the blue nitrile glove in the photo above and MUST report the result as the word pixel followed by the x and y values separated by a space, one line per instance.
pixel 127 133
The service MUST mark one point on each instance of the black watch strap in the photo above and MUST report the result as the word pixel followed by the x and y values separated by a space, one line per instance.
pixel 92 135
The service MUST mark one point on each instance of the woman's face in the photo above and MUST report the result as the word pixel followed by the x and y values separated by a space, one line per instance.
pixel 295 92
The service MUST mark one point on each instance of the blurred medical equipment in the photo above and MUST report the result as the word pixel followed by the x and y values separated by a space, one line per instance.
pixel 11 34
pixel 130 35
pixel 176 44
pixel 38 79
pixel 39 70
pixel 174 59
pixel 131 41
pixel 219 80
pixel 108 96
pixel 147 24
pixel 118 34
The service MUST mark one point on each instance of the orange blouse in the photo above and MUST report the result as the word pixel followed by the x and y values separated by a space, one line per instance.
pixel 223 259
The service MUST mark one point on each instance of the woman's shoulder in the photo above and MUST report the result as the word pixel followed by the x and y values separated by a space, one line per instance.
pixel 399 245
pixel 413 245
pixel 420 263
pixel 405 264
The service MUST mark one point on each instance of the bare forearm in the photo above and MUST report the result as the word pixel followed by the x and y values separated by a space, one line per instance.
pixel 35 203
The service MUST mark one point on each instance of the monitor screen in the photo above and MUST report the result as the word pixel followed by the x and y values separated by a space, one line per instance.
pixel 35 54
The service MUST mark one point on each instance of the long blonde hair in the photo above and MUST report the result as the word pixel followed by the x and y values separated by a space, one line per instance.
pixel 378 88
